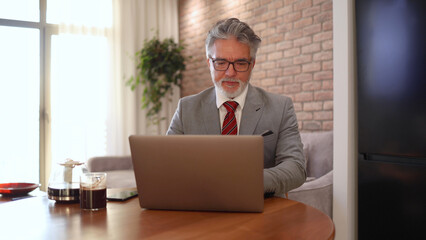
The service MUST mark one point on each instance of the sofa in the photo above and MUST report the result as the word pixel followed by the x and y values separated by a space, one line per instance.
pixel 119 170
pixel 317 191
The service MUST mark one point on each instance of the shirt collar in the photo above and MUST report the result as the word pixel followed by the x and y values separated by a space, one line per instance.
pixel 240 99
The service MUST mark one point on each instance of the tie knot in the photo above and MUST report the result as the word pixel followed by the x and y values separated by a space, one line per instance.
pixel 230 106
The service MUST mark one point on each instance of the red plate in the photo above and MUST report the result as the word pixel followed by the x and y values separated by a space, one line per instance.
pixel 17 188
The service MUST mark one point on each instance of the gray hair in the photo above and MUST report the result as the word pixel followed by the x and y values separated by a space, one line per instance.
pixel 232 27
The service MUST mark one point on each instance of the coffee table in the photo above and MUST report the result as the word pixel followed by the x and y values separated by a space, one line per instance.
pixel 41 218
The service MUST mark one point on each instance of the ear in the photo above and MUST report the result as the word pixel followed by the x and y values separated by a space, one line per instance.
pixel 208 62
pixel 254 62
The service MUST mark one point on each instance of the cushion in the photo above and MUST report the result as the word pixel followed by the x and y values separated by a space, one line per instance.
pixel 109 163
pixel 320 152
pixel 121 179
pixel 318 193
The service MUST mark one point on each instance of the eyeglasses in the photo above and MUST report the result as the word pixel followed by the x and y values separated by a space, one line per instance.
pixel 223 65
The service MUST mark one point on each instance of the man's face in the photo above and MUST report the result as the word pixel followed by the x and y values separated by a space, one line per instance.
pixel 230 82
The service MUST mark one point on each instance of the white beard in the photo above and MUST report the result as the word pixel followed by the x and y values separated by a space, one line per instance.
pixel 242 86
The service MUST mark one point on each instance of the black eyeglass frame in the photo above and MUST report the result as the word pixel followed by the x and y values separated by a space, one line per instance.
pixel 229 63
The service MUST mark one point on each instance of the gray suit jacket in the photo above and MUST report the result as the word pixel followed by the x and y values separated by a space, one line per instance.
pixel 283 150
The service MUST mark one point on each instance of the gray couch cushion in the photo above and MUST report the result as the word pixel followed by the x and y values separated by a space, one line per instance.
pixel 119 170
pixel 121 179
pixel 317 191
pixel 318 194
pixel 109 163
pixel 320 152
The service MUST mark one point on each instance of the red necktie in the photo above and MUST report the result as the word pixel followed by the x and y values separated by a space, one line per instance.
pixel 230 122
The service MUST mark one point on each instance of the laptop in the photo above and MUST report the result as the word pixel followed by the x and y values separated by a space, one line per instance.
pixel 199 172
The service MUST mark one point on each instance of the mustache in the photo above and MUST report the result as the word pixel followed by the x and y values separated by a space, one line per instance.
pixel 230 80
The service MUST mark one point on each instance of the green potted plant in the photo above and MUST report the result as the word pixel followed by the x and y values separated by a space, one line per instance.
pixel 159 66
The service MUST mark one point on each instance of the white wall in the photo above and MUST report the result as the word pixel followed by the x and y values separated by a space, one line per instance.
pixel 345 140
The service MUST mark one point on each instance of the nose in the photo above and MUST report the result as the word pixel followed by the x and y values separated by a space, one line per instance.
pixel 230 72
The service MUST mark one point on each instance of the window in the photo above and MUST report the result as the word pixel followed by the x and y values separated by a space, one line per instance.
pixel 53 84
pixel 19 97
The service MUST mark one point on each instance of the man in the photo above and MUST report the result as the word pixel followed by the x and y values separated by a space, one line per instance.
pixel 231 47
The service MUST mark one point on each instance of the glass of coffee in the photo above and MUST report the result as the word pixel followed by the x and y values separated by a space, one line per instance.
pixel 93 191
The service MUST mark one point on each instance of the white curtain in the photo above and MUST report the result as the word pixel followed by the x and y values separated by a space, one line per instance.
pixel 101 112
pixel 135 21
pixel 78 73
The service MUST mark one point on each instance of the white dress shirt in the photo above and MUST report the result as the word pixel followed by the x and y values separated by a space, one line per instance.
pixel 240 99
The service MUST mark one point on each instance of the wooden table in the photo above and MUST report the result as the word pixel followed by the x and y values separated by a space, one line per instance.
pixel 41 218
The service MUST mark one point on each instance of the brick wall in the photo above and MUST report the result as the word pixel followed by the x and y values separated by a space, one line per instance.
pixel 295 58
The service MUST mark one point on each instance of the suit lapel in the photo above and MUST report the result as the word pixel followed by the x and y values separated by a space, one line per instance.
pixel 253 109
pixel 211 114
